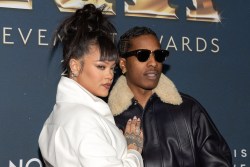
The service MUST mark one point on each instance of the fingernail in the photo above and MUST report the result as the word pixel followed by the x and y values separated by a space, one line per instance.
pixel 129 120
pixel 134 117
pixel 138 119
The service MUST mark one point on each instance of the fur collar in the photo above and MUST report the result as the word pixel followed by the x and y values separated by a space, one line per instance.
pixel 121 95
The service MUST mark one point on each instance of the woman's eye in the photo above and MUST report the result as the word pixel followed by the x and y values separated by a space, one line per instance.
pixel 101 67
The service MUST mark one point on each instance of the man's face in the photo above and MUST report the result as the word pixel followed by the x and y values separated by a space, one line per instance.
pixel 142 75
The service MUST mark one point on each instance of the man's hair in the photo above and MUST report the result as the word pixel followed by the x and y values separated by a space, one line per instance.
pixel 124 41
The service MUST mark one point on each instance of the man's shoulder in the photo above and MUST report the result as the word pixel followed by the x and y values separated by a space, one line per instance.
pixel 189 99
pixel 192 106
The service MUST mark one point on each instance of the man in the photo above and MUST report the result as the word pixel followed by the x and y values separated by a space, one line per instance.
pixel 177 130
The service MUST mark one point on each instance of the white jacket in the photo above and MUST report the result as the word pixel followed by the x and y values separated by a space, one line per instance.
pixel 81 132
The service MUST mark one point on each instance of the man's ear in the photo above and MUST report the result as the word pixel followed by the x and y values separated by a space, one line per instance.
pixel 75 67
pixel 122 65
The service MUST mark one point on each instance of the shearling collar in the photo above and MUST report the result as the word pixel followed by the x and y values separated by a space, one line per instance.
pixel 121 95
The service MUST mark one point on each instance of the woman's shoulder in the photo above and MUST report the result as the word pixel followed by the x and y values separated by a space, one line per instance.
pixel 76 116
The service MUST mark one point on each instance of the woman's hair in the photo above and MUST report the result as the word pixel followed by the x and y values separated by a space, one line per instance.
pixel 86 27
pixel 124 42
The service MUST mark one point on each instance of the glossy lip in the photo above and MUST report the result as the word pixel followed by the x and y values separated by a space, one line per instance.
pixel 107 85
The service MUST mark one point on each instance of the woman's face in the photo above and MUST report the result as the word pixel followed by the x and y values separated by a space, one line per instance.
pixel 94 75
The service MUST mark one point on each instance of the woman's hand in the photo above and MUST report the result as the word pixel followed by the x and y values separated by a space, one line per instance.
pixel 134 135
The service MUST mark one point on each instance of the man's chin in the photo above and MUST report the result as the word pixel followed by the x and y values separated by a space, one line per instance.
pixel 149 87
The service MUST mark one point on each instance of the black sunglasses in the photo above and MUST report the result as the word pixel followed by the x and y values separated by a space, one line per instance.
pixel 143 54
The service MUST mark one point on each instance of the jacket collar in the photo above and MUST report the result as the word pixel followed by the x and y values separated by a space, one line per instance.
pixel 69 91
pixel 121 95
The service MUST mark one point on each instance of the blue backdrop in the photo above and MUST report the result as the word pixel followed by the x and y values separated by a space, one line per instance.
pixel 209 59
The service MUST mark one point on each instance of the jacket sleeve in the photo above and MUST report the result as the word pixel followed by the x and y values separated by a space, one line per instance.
pixel 95 150
pixel 212 149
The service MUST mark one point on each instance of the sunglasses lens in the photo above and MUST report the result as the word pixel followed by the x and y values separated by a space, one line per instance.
pixel 143 55
pixel 160 55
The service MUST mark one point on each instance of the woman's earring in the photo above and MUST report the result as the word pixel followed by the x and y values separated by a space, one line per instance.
pixel 73 75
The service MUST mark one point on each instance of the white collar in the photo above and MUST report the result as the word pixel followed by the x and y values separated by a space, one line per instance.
pixel 70 91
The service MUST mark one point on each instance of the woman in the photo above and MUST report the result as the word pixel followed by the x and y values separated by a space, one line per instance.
pixel 81 131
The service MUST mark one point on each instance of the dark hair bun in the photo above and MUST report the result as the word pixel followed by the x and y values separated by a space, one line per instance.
pixel 89 17
pixel 84 21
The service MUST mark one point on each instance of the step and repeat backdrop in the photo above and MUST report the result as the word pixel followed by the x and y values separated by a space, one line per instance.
pixel 209 44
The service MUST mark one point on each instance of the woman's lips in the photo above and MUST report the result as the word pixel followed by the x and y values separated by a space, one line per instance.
pixel 107 85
